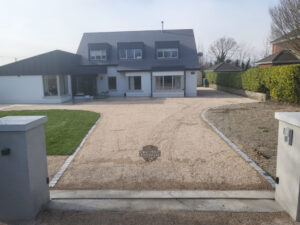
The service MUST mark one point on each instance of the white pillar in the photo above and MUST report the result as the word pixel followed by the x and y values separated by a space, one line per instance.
pixel 23 167
pixel 288 163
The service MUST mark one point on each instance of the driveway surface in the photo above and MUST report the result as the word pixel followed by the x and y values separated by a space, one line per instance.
pixel 193 156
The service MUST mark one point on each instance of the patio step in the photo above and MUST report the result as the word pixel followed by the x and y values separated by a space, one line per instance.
pixel 114 200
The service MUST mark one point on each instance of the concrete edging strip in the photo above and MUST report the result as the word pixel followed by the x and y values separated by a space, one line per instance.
pixel 239 151
pixel 204 205
pixel 160 194
pixel 58 175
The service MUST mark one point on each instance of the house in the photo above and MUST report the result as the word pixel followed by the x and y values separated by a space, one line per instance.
pixel 131 63
pixel 284 43
pixel 283 53
pixel 283 57
pixel 224 67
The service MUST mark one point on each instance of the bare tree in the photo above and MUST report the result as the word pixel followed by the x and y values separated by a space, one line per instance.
pixel 223 48
pixel 286 21
pixel 266 48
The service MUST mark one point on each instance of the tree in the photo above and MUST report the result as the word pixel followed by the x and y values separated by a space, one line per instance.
pixel 223 48
pixel 286 21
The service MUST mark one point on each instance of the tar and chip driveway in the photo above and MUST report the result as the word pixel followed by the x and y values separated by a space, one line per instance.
pixel 193 156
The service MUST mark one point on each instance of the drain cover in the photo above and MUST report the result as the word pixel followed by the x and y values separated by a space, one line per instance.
pixel 149 153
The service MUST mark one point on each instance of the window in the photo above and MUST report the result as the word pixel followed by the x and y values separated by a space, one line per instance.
pixel 135 83
pixel 50 85
pixel 167 82
pixel 112 83
pixel 63 84
pixel 167 53
pixel 99 54
pixel 130 53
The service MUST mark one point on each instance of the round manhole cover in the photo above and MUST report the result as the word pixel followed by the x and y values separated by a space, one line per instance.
pixel 149 153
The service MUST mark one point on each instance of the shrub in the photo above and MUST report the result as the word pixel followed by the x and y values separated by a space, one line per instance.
pixel 226 79
pixel 282 83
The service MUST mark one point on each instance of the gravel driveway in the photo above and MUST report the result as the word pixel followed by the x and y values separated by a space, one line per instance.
pixel 193 156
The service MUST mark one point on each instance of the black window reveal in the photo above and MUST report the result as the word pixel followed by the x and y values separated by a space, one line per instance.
pixel 135 83
pixel 112 83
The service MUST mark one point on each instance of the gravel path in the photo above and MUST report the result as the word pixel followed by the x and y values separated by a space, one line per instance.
pixel 162 218
pixel 193 156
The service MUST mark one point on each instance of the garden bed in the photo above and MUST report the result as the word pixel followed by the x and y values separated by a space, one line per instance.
pixel 253 128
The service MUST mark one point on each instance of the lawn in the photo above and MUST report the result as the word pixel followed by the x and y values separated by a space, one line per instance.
pixel 64 130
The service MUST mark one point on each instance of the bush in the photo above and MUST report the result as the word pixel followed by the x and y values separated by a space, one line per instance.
pixel 282 83
pixel 226 79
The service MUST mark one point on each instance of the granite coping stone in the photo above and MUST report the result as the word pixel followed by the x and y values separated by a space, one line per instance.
pixel 21 123
pixel 289 117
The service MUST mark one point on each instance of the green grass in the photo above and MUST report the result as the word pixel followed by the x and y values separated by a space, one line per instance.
pixel 64 130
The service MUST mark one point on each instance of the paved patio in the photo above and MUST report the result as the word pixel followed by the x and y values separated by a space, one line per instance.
pixel 193 156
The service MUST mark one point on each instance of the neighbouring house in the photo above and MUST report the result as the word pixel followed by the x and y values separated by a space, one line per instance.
pixel 283 53
pixel 224 67
pixel 130 63
pixel 283 57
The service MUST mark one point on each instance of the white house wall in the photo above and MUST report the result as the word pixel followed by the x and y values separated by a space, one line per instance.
pixel 26 89
pixel 191 83
pixel 122 83
pixel 21 89
pixel 145 82
pixel 102 82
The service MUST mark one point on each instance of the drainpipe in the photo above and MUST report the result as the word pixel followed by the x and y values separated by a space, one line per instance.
pixel 151 85
pixel 184 79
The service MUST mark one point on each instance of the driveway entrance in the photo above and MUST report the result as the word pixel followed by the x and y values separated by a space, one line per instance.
pixel 192 155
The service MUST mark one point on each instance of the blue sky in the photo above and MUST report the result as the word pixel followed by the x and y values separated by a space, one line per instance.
pixel 32 27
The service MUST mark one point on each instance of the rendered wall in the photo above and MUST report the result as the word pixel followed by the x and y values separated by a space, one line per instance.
pixel 26 89
pixel 24 188
pixel 191 83
pixel 288 164
pixel 102 82
pixel 146 84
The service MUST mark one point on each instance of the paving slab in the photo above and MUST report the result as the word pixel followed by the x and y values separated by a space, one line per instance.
pixel 164 194
pixel 203 205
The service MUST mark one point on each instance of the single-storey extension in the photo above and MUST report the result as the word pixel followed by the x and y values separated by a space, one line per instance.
pixel 130 63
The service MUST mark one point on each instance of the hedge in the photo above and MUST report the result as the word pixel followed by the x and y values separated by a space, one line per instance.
pixel 282 83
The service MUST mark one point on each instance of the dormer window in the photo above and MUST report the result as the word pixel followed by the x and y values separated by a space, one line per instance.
pixel 167 53
pixel 130 53
pixel 98 54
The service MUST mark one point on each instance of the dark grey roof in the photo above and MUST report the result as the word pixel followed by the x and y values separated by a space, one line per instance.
pixel 89 69
pixel 225 67
pixel 54 62
pixel 150 39
pixel 282 57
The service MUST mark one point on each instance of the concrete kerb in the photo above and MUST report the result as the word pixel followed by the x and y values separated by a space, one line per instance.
pixel 9 106
pixel 71 157
pixel 239 151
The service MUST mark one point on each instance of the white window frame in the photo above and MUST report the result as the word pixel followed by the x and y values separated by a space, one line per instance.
pixel 134 88
pixel 101 53
pixel 163 82
pixel 135 57
pixel 45 83
pixel 165 55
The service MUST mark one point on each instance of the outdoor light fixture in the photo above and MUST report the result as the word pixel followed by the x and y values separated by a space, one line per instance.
pixel 288 135
pixel 5 151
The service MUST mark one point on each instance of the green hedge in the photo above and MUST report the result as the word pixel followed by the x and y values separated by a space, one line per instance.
pixel 282 83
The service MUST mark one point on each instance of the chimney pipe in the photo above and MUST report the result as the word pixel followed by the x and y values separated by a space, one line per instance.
pixel 162 26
